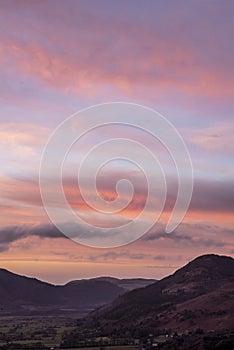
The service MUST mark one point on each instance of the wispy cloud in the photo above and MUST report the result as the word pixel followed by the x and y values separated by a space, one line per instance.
pixel 107 54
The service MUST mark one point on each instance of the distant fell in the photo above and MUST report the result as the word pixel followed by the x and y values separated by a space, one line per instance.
pixel 21 295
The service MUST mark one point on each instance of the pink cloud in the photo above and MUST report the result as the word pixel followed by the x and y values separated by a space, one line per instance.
pixel 104 54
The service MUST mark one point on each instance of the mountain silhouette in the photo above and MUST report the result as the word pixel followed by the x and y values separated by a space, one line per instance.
pixel 200 294
pixel 24 295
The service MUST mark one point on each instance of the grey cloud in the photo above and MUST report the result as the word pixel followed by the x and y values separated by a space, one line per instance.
pixel 191 234
pixel 200 235
pixel 12 234
pixel 138 256
pixel 114 256
pixel 160 257
pixel 215 196
pixel 3 248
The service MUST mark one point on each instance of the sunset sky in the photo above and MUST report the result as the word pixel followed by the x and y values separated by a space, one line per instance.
pixel 57 57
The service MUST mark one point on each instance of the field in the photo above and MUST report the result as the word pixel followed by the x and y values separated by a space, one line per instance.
pixel 34 331
pixel 124 347
pixel 39 332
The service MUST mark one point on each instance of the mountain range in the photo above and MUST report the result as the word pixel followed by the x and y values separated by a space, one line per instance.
pixel 20 295
pixel 198 295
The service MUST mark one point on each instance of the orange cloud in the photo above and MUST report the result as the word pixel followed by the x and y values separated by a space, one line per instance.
pixel 22 196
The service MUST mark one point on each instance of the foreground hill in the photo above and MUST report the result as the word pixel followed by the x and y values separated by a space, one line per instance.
pixel 24 295
pixel 200 294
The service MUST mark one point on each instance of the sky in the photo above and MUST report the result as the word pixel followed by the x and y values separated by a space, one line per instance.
pixel 58 57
